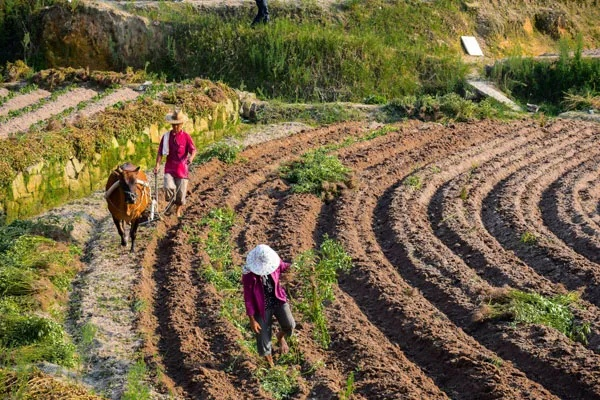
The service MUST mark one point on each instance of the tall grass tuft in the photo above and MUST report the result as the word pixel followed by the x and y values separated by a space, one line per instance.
pixel 533 308
pixel 318 273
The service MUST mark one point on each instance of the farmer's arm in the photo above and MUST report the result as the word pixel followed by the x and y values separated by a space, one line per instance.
pixel 191 149
pixel 247 280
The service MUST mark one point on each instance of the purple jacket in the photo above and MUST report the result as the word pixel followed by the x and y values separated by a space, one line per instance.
pixel 254 295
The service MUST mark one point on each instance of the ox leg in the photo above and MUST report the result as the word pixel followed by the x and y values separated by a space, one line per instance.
pixel 132 234
pixel 120 230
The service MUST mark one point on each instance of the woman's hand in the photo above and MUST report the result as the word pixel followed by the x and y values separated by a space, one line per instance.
pixel 254 325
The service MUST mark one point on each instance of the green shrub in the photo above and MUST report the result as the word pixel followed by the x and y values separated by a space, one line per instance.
pixel 225 152
pixel 318 273
pixel 313 170
pixel 280 381
pixel 533 308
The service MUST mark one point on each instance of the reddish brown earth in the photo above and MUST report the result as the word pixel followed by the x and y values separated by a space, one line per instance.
pixel 425 258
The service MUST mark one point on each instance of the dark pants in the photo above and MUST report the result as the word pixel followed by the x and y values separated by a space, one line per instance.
pixel 263 12
pixel 286 321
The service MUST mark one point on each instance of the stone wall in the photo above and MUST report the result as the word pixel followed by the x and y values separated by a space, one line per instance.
pixel 48 184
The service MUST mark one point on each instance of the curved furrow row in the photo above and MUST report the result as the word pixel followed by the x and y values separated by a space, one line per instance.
pixel 517 202
pixel 457 289
pixel 588 199
pixel 186 349
pixel 564 214
pixel 458 364
pixel 455 218
pixel 356 344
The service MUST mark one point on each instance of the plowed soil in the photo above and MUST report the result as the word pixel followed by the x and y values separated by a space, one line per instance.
pixel 425 255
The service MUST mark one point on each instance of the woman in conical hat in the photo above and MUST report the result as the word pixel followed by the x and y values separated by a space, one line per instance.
pixel 178 146
pixel 265 297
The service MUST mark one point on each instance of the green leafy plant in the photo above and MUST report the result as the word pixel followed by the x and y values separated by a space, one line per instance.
pixel 349 389
pixel 318 273
pixel 313 170
pixel 225 152
pixel 137 389
pixel 528 238
pixel 533 308
pixel 280 381
pixel 414 182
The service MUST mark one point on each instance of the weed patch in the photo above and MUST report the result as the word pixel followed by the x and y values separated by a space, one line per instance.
pixel 528 238
pixel 315 172
pixel 225 152
pixel 280 381
pixel 136 388
pixel 532 308
pixel 318 273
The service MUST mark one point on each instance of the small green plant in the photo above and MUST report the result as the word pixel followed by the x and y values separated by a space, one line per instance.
pixel 137 389
pixel 280 381
pixel 225 152
pixel 318 273
pixel 313 170
pixel 413 182
pixel 349 389
pixel 533 308
pixel 464 193
pixel 88 334
pixel 529 238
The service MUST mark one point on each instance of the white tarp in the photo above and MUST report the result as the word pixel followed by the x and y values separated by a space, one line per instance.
pixel 471 46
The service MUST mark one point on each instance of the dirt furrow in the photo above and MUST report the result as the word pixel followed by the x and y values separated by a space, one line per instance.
pixel 23 100
pixel 515 216
pixel 563 213
pixel 382 370
pixel 455 213
pixel 456 290
pixel 424 334
pixel 67 100
pixel 455 220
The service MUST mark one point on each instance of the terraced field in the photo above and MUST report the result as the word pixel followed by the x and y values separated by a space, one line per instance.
pixel 433 226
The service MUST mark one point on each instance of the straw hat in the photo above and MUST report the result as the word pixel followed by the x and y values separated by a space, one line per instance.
pixel 262 260
pixel 176 117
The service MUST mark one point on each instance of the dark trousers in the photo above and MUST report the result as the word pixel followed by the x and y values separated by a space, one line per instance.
pixel 284 316
pixel 263 11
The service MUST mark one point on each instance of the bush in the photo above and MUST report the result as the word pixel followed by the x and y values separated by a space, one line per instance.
pixel 314 171
pixel 225 152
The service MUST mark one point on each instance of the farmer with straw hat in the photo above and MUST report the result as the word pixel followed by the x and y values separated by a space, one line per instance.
pixel 264 298
pixel 180 151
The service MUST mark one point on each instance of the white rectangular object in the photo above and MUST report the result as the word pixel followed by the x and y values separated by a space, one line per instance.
pixel 471 46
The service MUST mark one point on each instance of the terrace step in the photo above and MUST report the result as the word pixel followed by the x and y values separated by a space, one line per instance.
pixel 23 100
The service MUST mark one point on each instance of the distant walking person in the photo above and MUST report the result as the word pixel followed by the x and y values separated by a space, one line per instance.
pixel 180 151
pixel 263 13
pixel 264 298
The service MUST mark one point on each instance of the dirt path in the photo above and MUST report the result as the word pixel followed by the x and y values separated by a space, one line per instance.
pixel 67 100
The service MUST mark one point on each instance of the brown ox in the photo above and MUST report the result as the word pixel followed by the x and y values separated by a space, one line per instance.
pixel 128 195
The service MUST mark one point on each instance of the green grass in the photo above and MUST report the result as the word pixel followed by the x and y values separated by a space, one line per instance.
pixel 35 275
pixel 366 51
pixel 313 114
pixel 318 273
pixel 349 388
pixel 533 308
pixel 553 85
pixel 137 389
pixel 313 170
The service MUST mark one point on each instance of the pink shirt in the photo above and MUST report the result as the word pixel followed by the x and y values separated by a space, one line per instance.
pixel 254 295
pixel 180 146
